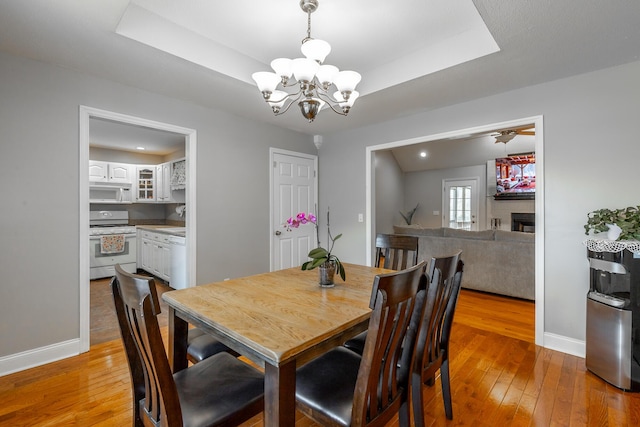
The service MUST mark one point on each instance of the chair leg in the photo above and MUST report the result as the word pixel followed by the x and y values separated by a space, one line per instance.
pixel 405 417
pixel 416 400
pixel 430 381
pixel 446 389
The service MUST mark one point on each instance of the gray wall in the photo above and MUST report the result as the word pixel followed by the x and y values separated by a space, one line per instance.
pixel 389 191
pixel 39 163
pixel 426 188
pixel 590 154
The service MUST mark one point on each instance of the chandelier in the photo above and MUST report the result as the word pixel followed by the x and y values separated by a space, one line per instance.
pixel 312 78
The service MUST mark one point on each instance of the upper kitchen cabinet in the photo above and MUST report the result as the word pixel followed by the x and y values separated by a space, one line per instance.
pixel 179 174
pixel 100 171
pixel 146 183
pixel 163 181
pixel 178 180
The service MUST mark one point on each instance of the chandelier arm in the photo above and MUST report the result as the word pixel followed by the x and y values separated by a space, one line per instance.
pixel 330 102
pixel 323 93
pixel 288 95
pixel 290 83
pixel 291 102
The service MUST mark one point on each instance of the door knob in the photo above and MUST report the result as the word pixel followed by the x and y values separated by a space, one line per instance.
pixel 278 233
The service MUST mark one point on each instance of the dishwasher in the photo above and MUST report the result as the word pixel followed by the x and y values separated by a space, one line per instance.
pixel 178 262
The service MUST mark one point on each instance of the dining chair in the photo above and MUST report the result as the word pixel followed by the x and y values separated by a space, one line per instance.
pixel 220 390
pixel 201 345
pixel 392 250
pixel 396 251
pixel 342 388
pixel 432 328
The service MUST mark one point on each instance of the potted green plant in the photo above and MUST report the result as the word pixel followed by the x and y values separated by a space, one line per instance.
pixel 408 217
pixel 327 262
pixel 627 219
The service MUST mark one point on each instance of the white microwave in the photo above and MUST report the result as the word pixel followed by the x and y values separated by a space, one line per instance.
pixel 103 192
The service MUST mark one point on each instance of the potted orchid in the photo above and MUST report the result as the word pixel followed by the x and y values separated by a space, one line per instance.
pixel 327 262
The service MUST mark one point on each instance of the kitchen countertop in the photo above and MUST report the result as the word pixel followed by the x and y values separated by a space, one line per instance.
pixel 165 229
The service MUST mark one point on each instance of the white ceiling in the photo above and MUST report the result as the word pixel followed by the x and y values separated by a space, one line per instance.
pixel 398 47
pixel 126 137
pixel 471 150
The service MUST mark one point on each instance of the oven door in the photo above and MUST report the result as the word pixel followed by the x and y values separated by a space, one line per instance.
pixel 103 264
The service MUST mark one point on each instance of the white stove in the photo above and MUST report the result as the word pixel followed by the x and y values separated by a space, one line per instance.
pixel 111 241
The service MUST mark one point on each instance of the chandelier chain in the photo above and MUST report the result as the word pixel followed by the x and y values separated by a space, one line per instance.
pixel 308 27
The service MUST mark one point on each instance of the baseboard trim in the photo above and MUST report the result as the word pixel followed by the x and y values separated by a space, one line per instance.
pixel 39 356
pixel 564 344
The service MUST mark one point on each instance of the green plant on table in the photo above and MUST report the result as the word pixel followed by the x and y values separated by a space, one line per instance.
pixel 319 256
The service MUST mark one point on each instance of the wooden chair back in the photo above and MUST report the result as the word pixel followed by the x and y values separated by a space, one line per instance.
pixel 379 391
pixel 137 306
pixel 432 338
pixel 431 325
pixel 396 252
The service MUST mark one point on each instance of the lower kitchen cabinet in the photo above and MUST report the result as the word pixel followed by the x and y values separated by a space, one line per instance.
pixel 155 254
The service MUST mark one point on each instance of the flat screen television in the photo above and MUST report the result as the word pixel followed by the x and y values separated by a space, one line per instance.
pixel 516 177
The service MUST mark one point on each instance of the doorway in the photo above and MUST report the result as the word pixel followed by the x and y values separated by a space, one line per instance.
pixel 460 203
pixel 537 122
pixel 190 138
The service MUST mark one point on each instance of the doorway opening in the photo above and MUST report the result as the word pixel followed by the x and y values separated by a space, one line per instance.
pixel 86 114
pixel 537 123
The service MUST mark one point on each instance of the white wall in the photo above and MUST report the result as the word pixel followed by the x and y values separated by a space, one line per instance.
pixel 591 152
pixel 39 164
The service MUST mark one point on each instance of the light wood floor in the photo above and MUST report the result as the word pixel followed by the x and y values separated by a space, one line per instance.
pixel 498 377
pixel 103 321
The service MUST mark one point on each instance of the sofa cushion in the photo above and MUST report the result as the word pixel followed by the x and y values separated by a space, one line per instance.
pixel 515 236
pixel 416 230
pixel 466 234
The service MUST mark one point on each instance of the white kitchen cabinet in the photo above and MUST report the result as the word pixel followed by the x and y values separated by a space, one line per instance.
pixel 163 182
pixel 178 262
pixel 100 171
pixel 162 260
pixel 179 174
pixel 155 254
pixel 146 183
pixel 145 252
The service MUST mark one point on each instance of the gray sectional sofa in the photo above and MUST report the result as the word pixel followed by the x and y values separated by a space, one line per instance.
pixel 496 261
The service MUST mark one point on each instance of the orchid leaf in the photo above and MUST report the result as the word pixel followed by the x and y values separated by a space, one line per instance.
pixel 318 253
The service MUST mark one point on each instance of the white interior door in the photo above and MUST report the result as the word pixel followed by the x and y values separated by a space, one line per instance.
pixel 460 204
pixel 293 190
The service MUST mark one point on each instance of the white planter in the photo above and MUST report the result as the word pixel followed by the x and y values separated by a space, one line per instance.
pixel 614 232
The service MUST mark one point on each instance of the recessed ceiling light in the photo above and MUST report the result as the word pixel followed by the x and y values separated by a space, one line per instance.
pixel 140 148
pixel 423 154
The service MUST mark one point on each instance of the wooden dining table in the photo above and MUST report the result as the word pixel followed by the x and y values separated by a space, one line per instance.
pixel 278 320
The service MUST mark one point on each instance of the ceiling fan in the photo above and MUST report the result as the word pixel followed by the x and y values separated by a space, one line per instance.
pixel 507 135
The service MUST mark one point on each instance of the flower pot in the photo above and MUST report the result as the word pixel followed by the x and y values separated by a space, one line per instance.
pixel 326 272
pixel 614 232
